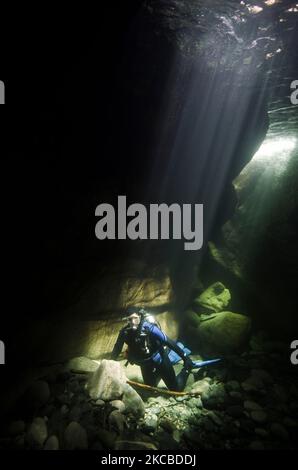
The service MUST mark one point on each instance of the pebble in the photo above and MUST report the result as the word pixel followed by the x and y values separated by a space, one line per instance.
pixel 251 406
pixel 259 416
pixel 37 433
pixel 215 418
pixel 256 445
pixel 117 421
pixel 194 403
pixel 150 423
pixel 279 431
pixel 261 432
pixel 167 425
pixel 180 399
pixel 236 396
pixel 251 384
pixel 262 375
pixel 52 443
pixel 107 438
pixel 99 402
pixel 233 386
pixel 64 409
pixel 118 404
pixel 75 437
pixel 155 410
pixel 75 413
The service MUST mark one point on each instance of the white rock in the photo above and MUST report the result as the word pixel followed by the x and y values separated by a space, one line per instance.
pixel 107 381
pixel 201 386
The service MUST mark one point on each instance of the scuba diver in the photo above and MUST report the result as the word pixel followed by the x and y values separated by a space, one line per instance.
pixel 149 348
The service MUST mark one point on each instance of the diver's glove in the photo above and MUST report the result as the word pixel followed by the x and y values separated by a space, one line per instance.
pixel 188 364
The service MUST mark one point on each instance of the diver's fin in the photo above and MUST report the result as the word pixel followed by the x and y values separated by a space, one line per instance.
pixel 198 364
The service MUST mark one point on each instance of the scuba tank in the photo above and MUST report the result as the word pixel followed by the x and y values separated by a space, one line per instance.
pixel 148 317
pixel 142 336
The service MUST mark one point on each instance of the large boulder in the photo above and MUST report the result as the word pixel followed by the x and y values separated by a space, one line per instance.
pixel 107 382
pixel 223 333
pixel 214 299
pixel 133 402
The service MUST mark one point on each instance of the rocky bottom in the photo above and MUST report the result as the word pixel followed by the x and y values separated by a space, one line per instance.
pixel 249 401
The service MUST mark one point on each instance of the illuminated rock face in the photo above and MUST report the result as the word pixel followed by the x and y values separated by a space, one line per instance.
pixel 113 292
pixel 91 338
pixel 90 324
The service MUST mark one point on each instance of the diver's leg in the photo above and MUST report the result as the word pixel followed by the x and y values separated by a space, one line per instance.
pixel 167 373
pixel 150 374
pixel 182 378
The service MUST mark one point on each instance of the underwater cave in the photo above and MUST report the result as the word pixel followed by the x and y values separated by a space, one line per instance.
pixel 165 102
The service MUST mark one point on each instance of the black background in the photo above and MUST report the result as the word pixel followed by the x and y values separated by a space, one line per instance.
pixel 59 133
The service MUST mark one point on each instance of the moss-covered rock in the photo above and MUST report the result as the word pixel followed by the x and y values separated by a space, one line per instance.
pixel 191 319
pixel 214 299
pixel 223 333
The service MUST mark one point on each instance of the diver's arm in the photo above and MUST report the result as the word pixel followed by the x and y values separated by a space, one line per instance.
pixel 188 364
pixel 174 346
pixel 118 346
pixel 155 331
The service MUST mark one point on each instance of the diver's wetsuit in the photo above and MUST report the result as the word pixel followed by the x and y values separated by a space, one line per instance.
pixel 146 348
